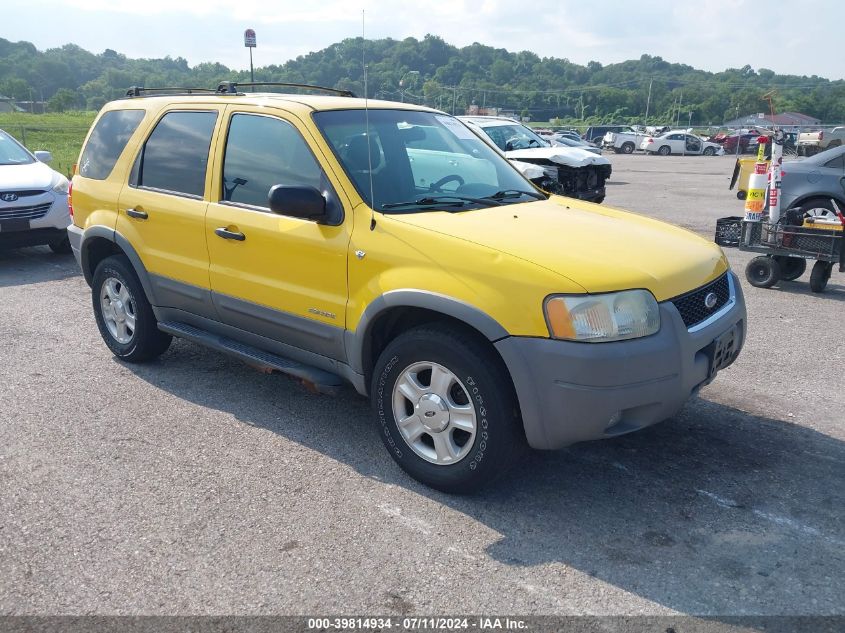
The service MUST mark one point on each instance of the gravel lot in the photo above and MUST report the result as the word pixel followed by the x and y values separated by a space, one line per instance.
pixel 196 485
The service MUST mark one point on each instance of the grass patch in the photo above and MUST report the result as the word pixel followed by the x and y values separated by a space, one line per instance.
pixel 59 133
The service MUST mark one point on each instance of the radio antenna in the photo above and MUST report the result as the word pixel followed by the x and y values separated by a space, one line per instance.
pixel 367 121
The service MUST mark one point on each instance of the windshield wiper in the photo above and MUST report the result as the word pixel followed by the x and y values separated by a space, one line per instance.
pixel 515 193
pixel 446 201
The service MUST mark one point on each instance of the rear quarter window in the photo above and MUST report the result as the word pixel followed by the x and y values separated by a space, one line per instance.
pixel 107 142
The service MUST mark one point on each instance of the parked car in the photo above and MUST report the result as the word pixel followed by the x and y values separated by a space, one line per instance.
pixel 570 134
pixel 33 198
pixel 747 143
pixel 568 171
pixel 565 141
pixel 386 245
pixel 624 141
pixel 810 143
pixel 595 133
pixel 679 142
pixel 812 182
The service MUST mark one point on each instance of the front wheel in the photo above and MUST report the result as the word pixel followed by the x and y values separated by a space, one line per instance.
pixel 763 272
pixel 123 313
pixel 61 247
pixel 709 151
pixel 445 408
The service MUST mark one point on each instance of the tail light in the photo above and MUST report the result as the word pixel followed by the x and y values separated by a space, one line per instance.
pixel 69 201
pixel 821 135
pixel 649 140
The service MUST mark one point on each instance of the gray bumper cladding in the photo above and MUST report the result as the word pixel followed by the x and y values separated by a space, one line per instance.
pixel 571 392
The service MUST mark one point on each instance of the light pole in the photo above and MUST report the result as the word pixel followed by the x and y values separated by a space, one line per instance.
pixel 402 80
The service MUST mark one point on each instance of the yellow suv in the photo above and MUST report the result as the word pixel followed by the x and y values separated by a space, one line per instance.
pixel 385 245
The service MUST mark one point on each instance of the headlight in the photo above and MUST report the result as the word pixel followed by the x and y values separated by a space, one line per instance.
pixel 615 316
pixel 59 184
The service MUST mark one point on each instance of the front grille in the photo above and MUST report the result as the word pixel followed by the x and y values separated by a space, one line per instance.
pixel 24 193
pixel 691 305
pixel 25 213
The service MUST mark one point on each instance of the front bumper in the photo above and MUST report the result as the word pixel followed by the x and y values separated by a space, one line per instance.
pixel 571 392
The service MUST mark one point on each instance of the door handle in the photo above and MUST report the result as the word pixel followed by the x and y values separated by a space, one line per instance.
pixel 137 214
pixel 226 234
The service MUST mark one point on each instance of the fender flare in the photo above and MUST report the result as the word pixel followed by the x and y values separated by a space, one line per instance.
pixel 410 298
pixel 99 231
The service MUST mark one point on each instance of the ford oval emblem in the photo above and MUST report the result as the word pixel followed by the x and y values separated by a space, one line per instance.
pixel 711 300
pixel 8 197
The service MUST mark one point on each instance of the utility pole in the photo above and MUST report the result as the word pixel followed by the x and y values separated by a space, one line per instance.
pixel 648 100
pixel 678 115
pixel 454 99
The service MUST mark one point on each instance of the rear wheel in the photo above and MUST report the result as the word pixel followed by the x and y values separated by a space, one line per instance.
pixel 819 276
pixel 627 148
pixel 124 316
pixel 763 272
pixel 664 150
pixel 791 268
pixel 445 408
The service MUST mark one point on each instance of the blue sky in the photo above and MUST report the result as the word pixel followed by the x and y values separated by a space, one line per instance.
pixel 797 37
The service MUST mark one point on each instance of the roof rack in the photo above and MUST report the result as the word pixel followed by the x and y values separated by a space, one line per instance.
pixel 140 91
pixel 231 87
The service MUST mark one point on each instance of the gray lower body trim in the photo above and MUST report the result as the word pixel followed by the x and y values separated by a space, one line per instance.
pixel 261 342
pixel 571 392
pixel 74 234
pixel 320 338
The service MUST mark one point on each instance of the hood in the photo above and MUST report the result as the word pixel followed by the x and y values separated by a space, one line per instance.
pixel 20 177
pixel 599 248
pixel 570 156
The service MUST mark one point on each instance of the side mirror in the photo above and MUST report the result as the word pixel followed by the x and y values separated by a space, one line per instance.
pixel 44 157
pixel 299 202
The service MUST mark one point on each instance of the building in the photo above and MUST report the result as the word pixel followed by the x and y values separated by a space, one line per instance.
pixel 789 121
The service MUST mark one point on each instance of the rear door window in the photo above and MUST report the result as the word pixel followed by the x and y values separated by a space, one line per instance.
pixel 107 142
pixel 175 157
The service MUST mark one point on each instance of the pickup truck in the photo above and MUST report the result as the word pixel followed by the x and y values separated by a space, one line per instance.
pixel 624 142
pixel 810 143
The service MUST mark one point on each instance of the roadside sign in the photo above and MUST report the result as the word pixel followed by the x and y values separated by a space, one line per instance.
pixel 249 38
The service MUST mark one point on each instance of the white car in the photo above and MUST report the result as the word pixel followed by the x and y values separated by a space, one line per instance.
pixel 33 199
pixel 567 171
pixel 679 142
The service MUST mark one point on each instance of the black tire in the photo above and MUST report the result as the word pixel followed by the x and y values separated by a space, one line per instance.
pixel 791 268
pixel 147 341
pixel 819 276
pixel 741 195
pixel 664 150
pixel 483 381
pixel 627 148
pixel 762 272
pixel 599 200
pixel 61 247
pixel 709 151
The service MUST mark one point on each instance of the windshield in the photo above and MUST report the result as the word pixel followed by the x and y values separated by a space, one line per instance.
pixel 412 161
pixel 12 153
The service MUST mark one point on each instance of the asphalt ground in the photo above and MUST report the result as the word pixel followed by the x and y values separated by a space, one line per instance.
pixel 196 485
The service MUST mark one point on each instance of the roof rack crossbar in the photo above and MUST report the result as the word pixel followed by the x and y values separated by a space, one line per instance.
pixel 140 91
pixel 231 87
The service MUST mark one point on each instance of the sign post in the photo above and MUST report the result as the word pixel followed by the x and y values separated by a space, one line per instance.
pixel 249 42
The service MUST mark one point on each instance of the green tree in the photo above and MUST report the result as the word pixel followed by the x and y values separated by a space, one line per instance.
pixel 64 99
